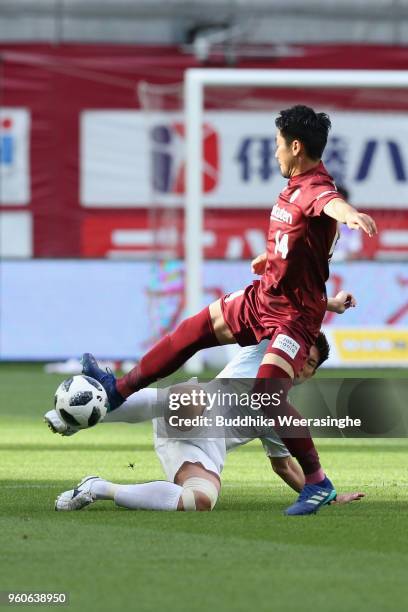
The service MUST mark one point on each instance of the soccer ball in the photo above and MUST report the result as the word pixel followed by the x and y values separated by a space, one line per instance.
pixel 81 401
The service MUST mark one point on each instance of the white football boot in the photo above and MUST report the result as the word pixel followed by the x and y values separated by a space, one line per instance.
pixel 57 425
pixel 77 498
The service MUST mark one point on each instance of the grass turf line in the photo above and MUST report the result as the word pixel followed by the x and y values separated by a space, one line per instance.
pixel 244 554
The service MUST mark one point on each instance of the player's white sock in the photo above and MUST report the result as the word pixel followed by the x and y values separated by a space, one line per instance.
pixel 103 489
pixel 158 495
pixel 144 405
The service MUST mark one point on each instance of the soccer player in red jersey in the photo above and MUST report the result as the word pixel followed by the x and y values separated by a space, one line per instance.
pixel 286 305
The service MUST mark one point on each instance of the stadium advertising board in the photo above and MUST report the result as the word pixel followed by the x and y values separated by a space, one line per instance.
pixel 15 156
pixel 366 151
pixel 87 173
pixel 139 292
pixel 228 234
pixel 15 182
pixel 369 346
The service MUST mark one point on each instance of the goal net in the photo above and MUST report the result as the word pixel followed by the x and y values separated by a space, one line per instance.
pixel 162 106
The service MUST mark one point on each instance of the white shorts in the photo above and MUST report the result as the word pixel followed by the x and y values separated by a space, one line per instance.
pixel 211 452
pixel 173 453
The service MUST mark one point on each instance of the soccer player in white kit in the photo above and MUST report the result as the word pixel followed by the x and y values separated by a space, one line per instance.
pixel 193 466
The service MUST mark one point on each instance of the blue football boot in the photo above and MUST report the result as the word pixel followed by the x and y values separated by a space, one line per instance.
pixel 106 378
pixel 312 497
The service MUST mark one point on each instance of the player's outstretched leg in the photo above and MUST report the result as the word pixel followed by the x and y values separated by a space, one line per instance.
pixel 159 495
pixel 312 498
pixel 166 356
pixel 171 352
pixel 196 491
pixel 138 408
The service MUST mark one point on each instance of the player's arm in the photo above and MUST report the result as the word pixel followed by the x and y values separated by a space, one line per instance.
pixel 345 213
pixel 341 302
pixel 290 472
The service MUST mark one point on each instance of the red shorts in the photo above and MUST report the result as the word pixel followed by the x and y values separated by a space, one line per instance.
pixel 288 339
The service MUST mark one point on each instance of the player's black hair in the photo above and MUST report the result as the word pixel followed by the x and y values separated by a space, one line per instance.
pixel 343 192
pixel 323 347
pixel 302 123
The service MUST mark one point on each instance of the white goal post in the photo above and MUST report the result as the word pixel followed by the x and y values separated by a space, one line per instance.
pixel 196 79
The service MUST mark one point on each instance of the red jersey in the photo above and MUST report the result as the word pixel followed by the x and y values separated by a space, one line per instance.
pixel 301 239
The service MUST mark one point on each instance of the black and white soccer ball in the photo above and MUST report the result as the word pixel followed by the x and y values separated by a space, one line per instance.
pixel 81 401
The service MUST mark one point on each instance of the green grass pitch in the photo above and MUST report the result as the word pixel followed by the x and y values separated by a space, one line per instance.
pixel 245 555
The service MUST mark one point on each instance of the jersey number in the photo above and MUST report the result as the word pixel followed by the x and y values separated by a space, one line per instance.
pixel 281 244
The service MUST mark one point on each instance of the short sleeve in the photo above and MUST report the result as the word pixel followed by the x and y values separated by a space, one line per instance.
pixel 316 196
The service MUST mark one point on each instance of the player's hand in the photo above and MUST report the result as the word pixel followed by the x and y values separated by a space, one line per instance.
pixel 258 264
pixel 342 302
pixel 356 220
pixel 346 498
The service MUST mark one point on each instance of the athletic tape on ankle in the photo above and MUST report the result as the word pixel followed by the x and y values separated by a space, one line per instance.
pixel 201 485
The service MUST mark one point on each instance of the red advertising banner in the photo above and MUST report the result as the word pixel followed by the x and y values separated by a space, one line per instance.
pixel 230 234
pixel 51 161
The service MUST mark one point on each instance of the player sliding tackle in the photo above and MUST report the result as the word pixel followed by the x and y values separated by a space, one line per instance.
pixel 286 306
pixel 193 466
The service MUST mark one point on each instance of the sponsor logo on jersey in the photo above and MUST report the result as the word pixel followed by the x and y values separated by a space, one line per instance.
pixel 286 344
pixel 281 214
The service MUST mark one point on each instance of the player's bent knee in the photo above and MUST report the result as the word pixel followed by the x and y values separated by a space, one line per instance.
pixel 199 494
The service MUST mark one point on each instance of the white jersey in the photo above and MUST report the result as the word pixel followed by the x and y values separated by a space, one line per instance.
pixel 211 452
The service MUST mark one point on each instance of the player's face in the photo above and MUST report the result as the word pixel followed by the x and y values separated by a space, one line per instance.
pixel 284 155
pixel 309 368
